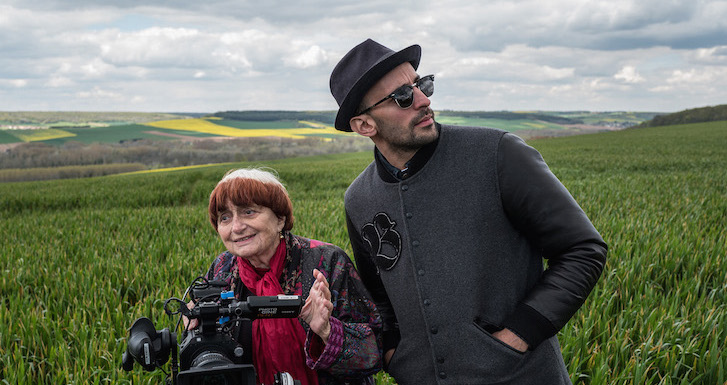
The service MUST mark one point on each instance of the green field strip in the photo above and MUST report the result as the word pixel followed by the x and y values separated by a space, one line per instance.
pixel 127 132
pixel 7 138
pixel 502 124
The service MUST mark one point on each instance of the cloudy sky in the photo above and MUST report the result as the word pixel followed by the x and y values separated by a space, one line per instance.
pixel 214 55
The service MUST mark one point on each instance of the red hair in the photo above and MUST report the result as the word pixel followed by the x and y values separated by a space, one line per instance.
pixel 243 191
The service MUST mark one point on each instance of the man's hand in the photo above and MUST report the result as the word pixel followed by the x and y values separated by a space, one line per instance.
pixel 387 356
pixel 510 338
pixel 316 311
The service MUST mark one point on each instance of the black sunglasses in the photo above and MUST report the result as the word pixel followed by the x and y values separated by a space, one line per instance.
pixel 404 95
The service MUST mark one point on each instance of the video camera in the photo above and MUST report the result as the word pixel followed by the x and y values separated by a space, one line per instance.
pixel 208 354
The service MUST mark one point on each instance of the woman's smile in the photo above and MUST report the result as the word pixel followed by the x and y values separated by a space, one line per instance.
pixel 240 240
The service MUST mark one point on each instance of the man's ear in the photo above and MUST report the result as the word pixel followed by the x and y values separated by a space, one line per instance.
pixel 363 125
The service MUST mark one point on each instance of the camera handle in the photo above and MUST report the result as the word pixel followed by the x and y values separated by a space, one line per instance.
pixel 174 364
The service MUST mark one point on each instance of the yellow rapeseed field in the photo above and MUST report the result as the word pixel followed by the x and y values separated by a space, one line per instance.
pixel 174 168
pixel 314 124
pixel 202 125
pixel 535 125
pixel 40 135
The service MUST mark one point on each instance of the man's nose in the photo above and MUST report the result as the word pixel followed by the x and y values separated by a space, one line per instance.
pixel 420 100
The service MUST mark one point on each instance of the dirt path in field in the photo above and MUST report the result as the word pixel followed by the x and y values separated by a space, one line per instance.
pixel 570 129
pixel 186 137
pixel 592 128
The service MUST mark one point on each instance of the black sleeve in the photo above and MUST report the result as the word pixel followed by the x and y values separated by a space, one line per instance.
pixel 540 206
pixel 370 276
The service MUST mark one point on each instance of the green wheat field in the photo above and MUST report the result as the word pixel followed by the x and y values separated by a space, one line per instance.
pixel 81 259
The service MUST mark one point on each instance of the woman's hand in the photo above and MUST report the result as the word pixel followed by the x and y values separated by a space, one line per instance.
pixel 316 311
pixel 187 324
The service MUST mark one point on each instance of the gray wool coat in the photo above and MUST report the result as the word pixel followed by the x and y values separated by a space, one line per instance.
pixel 455 252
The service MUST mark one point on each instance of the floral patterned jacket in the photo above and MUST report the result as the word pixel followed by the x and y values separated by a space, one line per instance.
pixel 353 352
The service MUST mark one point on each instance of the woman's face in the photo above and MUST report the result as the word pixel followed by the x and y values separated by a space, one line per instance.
pixel 251 232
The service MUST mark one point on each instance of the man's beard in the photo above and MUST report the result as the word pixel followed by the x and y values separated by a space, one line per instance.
pixel 408 138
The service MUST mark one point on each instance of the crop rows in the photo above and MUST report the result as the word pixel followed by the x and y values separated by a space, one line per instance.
pixel 82 259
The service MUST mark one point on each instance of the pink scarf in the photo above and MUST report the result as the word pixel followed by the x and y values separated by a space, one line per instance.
pixel 277 343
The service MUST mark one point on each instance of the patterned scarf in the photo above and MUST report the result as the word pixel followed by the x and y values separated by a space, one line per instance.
pixel 277 343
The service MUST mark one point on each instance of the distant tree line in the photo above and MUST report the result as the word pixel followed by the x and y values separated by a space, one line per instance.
pixel 173 153
pixel 65 172
pixel 50 117
pixel 327 117
pixel 694 115
pixel 507 115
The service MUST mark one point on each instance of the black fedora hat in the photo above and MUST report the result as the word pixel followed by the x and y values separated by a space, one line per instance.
pixel 359 70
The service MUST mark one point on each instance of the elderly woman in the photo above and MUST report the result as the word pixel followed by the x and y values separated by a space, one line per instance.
pixel 336 338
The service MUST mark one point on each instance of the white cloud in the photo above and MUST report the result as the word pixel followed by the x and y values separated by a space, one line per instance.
pixel 153 46
pixel 15 83
pixel 137 99
pixel 517 63
pixel 629 15
pixel 96 68
pixel 628 74
pixel 712 55
pixel 98 93
pixel 59 81
pixel 692 76
pixel 311 57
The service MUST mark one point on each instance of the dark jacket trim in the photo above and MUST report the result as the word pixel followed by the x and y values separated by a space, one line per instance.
pixel 529 325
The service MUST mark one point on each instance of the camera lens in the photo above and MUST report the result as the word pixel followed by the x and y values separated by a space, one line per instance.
pixel 210 359
pixel 213 360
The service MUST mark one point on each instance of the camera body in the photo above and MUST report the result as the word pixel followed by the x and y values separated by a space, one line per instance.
pixel 203 357
pixel 209 353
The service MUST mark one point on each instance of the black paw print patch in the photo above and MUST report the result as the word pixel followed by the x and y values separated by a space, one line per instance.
pixel 384 241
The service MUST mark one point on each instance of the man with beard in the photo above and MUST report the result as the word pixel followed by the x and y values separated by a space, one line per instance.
pixel 450 227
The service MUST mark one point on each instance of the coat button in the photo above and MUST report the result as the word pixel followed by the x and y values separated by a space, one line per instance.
pixel 408 215
pixel 421 272
pixel 440 360
pixel 427 302
pixel 434 330
pixel 404 187
pixel 442 375
pixel 415 243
